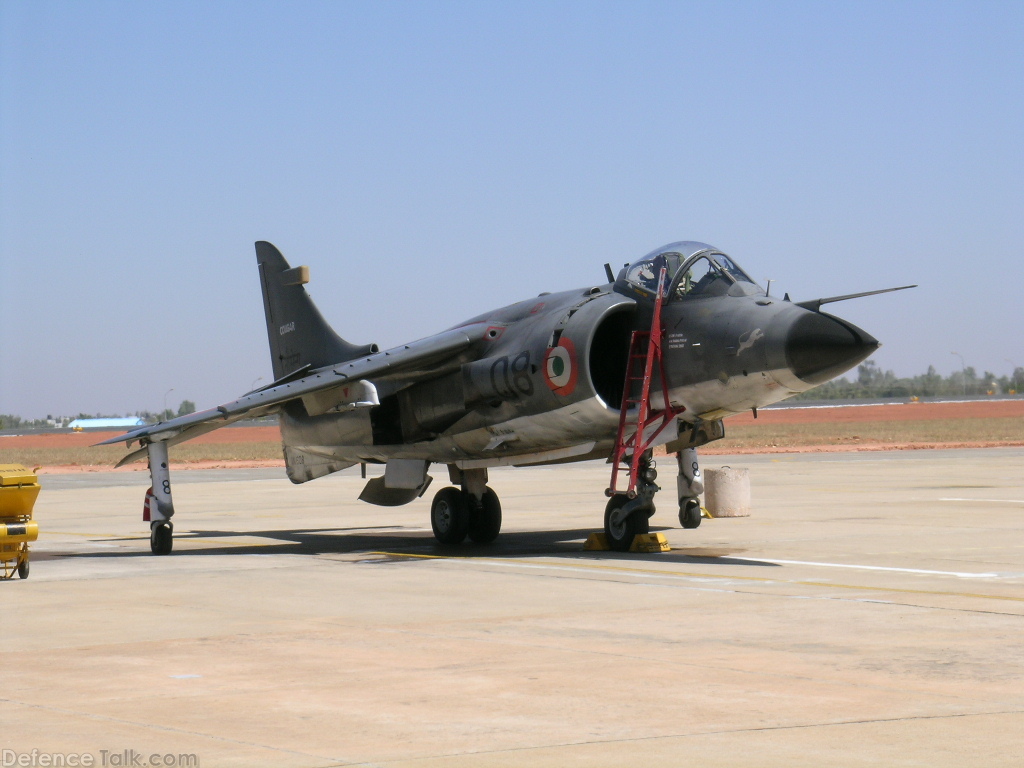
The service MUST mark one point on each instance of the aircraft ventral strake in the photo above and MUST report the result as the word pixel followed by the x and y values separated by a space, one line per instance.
pixel 659 355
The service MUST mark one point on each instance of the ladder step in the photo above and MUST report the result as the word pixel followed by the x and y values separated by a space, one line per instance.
pixel 644 359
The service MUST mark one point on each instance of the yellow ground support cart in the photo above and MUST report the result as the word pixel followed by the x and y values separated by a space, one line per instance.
pixel 19 488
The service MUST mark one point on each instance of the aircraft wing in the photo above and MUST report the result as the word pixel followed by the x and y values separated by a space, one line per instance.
pixel 179 434
pixel 415 355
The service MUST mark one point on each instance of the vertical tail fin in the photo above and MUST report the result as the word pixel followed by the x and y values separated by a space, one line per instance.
pixel 299 336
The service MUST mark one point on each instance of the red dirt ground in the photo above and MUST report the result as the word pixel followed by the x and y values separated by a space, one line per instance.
pixel 977 409
pixel 795 415
pixel 82 439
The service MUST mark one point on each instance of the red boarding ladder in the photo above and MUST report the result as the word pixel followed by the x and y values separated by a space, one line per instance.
pixel 635 413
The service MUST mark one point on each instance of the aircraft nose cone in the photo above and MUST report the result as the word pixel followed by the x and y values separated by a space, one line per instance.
pixel 819 347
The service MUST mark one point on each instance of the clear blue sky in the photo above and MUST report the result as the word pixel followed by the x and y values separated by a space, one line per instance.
pixel 430 160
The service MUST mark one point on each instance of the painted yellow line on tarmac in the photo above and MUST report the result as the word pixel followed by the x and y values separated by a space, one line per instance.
pixel 691 575
pixel 184 538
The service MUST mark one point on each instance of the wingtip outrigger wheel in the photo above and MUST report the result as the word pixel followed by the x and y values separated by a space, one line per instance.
pixel 161 538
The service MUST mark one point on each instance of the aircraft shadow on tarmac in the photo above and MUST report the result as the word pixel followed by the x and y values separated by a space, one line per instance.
pixel 405 546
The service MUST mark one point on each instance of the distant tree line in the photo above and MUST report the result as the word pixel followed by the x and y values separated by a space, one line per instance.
pixel 873 382
pixel 9 421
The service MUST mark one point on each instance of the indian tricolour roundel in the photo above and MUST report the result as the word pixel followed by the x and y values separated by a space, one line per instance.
pixel 560 369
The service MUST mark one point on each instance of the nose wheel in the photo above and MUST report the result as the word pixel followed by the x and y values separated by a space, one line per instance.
pixel 689 513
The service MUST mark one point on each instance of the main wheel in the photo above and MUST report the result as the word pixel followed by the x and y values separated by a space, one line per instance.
pixel 620 535
pixel 23 568
pixel 161 538
pixel 449 516
pixel 486 522
pixel 689 515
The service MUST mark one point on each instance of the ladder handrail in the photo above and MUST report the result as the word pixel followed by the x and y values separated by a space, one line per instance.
pixel 645 416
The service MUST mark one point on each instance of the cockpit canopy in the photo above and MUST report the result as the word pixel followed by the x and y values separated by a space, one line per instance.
pixel 692 270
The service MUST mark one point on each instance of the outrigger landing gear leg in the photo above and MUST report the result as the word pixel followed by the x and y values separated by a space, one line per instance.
pixel 625 517
pixel 690 487
pixel 161 507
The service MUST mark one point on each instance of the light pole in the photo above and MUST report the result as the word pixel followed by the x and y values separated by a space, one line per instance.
pixel 963 370
pixel 165 402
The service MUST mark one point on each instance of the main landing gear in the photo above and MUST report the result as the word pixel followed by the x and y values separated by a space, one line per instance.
pixel 471 510
pixel 627 516
pixel 159 507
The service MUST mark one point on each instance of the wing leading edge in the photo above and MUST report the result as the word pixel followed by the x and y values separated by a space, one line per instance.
pixel 428 351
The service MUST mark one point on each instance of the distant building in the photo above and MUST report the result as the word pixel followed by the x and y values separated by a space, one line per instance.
pixel 133 421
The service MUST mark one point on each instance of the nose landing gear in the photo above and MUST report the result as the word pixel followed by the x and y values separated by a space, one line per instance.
pixel 690 486
pixel 626 517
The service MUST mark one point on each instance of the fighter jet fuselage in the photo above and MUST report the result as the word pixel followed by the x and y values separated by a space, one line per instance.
pixel 543 378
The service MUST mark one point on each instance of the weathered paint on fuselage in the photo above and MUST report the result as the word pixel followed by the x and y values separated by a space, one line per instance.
pixel 726 354
pixel 498 402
